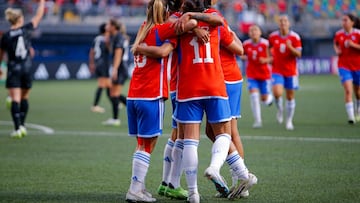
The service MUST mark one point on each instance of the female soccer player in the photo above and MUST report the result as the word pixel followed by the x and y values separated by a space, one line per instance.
pixel 99 64
pixel 147 92
pixel 258 72
pixel 16 43
pixel 120 51
pixel 347 47
pixel 286 46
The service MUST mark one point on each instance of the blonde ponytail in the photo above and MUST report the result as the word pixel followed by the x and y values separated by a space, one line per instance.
pixel 156 14
pixel 12 15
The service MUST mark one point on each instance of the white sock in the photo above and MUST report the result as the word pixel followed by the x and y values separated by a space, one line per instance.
pixel 220 150
pixel 269 100
pixel 350 110
pixel 255 106
pixel 279 103
pixel 290 109
pixel 190 164
pixel 176 166
pixel 167 161
pixel 237 165
pixel 140 166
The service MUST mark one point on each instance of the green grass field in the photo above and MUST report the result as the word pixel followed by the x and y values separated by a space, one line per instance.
pixel 83 161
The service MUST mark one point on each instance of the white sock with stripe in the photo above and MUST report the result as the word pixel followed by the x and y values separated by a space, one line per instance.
pixel 140 166
pixel 176 166
pixel 190 164
pixel 167 160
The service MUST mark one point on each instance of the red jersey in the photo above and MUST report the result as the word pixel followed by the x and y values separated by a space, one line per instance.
pixel 229 64
pixel 349 57
pixel 200 75
pixel 172 63
pixel 255 51
pixel 284 61
pixel 149 79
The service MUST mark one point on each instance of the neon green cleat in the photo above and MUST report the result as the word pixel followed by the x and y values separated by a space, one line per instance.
pixel 23 131
pixel 161 190
pixel 16 134
pixel 178 193
pixel 8 102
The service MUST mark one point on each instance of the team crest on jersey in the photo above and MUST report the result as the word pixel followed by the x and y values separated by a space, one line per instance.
pixel 260 49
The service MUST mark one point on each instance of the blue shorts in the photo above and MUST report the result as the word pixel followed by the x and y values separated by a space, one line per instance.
pixel 145 118
pixel 346 75
pixel 217 110
pixel 290 83
pixel 234 91
pixel 173 104
pixel 264 86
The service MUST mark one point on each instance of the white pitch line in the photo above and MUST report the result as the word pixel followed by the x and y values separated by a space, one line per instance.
pixel 44 129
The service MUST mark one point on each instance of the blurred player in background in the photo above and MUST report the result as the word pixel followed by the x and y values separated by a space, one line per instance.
pixel 99 64
pixel 120 50
pixel 258 72
pixel 347 47
pixel 16 44
pixel 286 45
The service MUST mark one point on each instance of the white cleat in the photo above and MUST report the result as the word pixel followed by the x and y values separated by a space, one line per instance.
pixel 23 131
pixel 257 124
pixel 97 109
pixel 243 187
pixel 193 198
pixel 218 180
pixel 16 134
pixel 138 197
pixel 289 125
pixel 111 121
pixel 279 116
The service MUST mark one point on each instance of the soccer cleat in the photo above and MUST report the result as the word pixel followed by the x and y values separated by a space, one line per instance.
pixel 111 121
pixel 146 193
pixel 289 125
pixel 138 197
pixel 16 134
pixel 23 131
pixel 178 193
pixel 8 102
pixel 243 187
pixel 257 124
pixel 351 122
pixel 193 198
pixel 279 116
pixel 218 180
pixel 161 189
pixel 97 109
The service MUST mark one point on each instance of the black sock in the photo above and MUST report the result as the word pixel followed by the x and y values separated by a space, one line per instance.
pixel 97 96
pixel 24 108
pixel 115 105
pixel 108 93
pixel 122 99
pixel 15 113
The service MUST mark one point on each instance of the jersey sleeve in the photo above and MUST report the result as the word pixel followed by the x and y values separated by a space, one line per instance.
pixel 166 31
pixel 3 42
pixel 225 36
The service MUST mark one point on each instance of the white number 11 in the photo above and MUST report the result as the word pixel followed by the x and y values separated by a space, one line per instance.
pixel 198 59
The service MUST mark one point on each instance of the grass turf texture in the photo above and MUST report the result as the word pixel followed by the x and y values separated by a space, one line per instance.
pixel 84 161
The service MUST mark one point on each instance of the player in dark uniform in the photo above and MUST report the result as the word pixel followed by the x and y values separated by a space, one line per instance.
pixel 16 44
pixel 99 64
pixel 120 51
